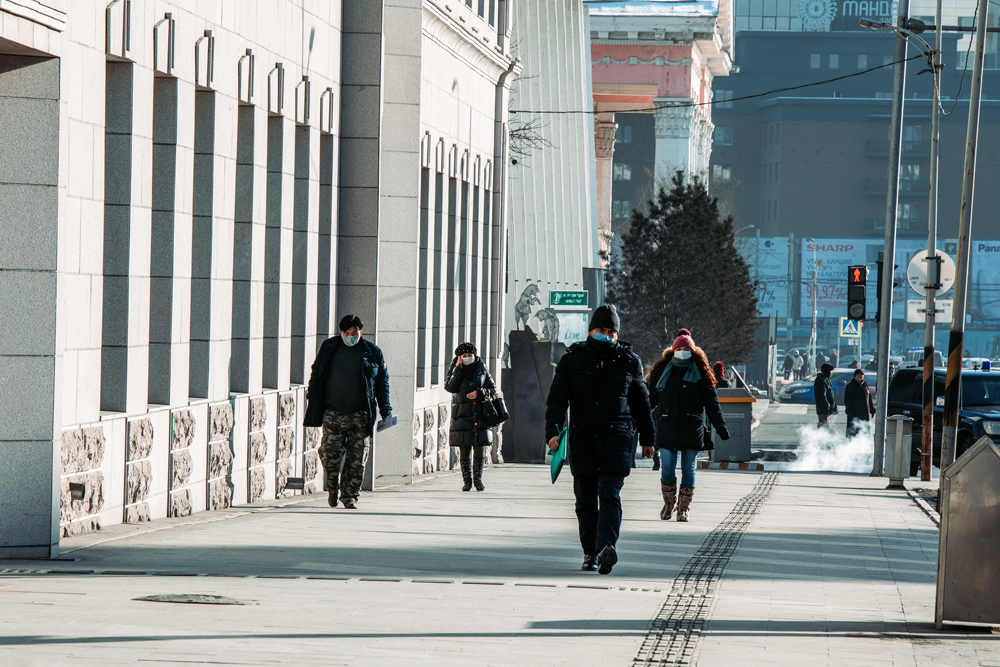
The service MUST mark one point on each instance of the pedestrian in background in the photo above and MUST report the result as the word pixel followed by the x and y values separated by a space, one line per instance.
pixel 834 358
pixel 470 384
pixel 720 376
pixel 348 387
pixel 858 403
pixel 788 365
pixel 798 363
pixel 600 382
pixel 682 386
pixel 826 403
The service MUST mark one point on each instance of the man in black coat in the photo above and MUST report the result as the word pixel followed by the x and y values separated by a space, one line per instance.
pixel 826 404
pixel 858 403
pixel 600 380
pixel 348 387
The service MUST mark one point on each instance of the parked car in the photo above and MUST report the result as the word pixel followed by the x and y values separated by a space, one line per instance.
pixel 979 414
pixel 846 360
pixel 975 363
pixel 802 391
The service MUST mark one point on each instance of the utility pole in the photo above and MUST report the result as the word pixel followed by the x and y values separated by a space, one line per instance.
pixel 956 340
pixel 892 200
pixel 933 267
pixel 792 303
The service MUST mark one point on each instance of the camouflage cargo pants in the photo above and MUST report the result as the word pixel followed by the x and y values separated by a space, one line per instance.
pixel 346 440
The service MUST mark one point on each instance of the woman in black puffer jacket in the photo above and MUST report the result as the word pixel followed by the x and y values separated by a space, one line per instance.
pixel 470 383
pixel 682 391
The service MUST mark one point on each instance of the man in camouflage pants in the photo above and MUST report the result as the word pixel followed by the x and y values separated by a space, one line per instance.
pixel 346 440
pixel 348 386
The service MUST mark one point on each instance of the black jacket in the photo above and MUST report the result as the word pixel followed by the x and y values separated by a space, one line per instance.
pixel 685 429
pixel 858 402
pixel 376 381
pixel 467 427
pixel 607 400
pixel 826 404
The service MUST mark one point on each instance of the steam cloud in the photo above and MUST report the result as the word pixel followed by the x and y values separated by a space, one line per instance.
pixel 829 449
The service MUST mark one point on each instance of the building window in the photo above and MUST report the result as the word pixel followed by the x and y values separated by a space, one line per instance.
pixel 909 172
pixel 814 61
pixel 913 136
pixel 621 209
pixel 863 61
pixel 724 136
pixel 724 99
pixel 883 96
pixel 624 134
pixel 622 172
pixel 482 8
pixel 886 60
pixel 834 61
pixel 721 174
pixel 493 12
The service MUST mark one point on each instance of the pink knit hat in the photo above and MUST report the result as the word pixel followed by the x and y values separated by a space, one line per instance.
pixel 684 341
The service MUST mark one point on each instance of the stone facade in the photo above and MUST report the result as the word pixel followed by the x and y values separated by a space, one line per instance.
pixel 181 234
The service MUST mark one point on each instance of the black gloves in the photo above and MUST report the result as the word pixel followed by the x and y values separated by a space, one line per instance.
pixel 724 433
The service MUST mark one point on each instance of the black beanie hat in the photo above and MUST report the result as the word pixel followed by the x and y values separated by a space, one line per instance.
pixel 826 368
pixel 465 348
pixel 348 321
pixel 605 317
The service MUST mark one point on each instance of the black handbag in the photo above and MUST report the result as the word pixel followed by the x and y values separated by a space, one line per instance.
pixel 500 408
pixel 490 416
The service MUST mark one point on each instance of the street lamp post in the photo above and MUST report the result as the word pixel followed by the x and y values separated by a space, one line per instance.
pixel 815 295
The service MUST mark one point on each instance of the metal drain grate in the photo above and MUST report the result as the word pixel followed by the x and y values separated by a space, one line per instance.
pixel 673 635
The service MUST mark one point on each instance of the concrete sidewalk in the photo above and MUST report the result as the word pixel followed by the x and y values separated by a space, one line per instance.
pixel 794 568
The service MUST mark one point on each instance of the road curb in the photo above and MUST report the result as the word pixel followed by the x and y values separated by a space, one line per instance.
pixel 730 465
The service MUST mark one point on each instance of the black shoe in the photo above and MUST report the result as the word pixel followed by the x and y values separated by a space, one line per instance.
pixel 349 504
pixel 589 562
pixel 606 560
pixel 332 499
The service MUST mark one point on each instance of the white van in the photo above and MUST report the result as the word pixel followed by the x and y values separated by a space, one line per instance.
pixel 914 358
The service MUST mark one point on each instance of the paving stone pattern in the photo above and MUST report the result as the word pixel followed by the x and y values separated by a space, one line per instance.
pixel 834 570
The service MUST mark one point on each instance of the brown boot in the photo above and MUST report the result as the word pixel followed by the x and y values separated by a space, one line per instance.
pixel 684 498
pixel 669 490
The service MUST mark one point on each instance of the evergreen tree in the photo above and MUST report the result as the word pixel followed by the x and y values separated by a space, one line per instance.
pixel 678 267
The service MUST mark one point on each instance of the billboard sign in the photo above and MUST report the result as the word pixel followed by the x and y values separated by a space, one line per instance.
pixel 767 258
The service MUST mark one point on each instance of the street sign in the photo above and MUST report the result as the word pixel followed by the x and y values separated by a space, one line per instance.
pixel 574 298
pixel 850 328
pixel 916 274
pixel 915 309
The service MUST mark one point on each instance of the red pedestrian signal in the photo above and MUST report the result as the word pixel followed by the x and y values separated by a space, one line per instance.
pixel 857 277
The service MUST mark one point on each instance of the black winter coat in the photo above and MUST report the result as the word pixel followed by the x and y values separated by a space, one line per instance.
pixel 685 428
pixel 606 396
pixel 467 427
pixel 858 402
pixel 376 381
pixel 826 403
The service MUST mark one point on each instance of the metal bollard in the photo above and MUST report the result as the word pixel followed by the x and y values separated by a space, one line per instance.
pixel 898 449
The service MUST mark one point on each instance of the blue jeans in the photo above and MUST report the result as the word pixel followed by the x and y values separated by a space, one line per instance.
pixel 668 469
pixel 598 510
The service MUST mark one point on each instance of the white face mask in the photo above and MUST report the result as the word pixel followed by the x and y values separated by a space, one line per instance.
pixel 351 341
pixel 683 354
pixel 468 360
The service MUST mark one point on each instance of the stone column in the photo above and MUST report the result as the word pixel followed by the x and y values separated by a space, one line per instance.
pixel 673 126
pixel 604 148
pixel 706 134
pixel 30 350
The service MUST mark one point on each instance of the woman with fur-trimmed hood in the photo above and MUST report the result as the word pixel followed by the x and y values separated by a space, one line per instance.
pixel 682 391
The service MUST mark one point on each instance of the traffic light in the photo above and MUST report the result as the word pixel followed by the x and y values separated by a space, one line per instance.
pixel 857 277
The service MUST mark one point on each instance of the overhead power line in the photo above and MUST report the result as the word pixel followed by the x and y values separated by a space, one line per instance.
pixel 672 105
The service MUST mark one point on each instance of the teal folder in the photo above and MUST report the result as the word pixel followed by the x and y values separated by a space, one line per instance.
pixel 559 456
